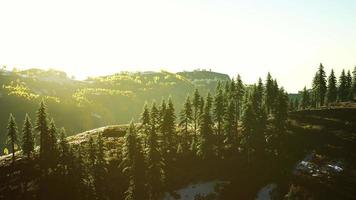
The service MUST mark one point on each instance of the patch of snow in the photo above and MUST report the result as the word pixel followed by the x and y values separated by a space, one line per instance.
pixel 266 192
pixel 189 192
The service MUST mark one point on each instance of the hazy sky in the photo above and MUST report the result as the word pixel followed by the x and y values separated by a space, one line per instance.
pixel 86 38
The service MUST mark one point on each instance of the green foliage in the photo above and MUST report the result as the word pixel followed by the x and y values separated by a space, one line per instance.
pixel 332 88
pixel 12 135
pixel 28 140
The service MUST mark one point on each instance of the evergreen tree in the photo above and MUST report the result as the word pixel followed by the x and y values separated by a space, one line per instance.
pixel 219 111
pixel 321 85
pixel 154 165
pixel 168 140
pixel 168 128
pixel 134 165
pixel 100 168
pixel 28 142
pixel 63 147
pixel 205 145
pixel 154 118
pixel 269 95
pixel 343 91
pixel 145 124
pixel 314 93
pixel 202 102
pixel 196 109
pixel 354 83
pixel 209 102
pixel 186 118
pixel 305 102
pixel 52 145
pixel 349 86
pixel 12 135
pixel 248 126
pixel 145 116
pixel 332 88
pixel 42 128
pixel 230 129
pixel 240 93
pixel 281 115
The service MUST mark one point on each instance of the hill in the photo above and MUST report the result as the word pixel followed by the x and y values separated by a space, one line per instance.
pixel 97 101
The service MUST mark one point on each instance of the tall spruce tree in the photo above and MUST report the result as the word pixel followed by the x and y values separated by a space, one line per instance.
pixel 349 86
pixel 269 94
pixel 53 152
pixel 354 83
pixel 321 89
pixel 240 93
pixel 28 142
pixel 43 132
pixel 186 118
pixel 332 88
pixel 219 112
pixel 155 173
pixel 281 114
pixel 100 168
pixel 196 109
pixel 248 126
pixel 230 129
pixel 205 148
pixel 305 102
pixel 12 135
pixel 134 165
pixel 343 92
pixel 145 124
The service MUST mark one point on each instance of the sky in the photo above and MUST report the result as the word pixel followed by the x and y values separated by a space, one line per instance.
pixel 89 38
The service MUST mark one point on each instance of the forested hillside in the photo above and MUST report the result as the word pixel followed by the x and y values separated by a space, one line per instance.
pixel 97 101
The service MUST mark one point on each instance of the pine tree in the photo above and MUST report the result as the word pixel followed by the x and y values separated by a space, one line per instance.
pixel 134 165
pixel 321 85
pixel 269 95
pixel 354 83
pixel 52 144
pixel 240 93
pixel 209 102
pixel 202 102
pixel 100 168
pixel 305 102
pixel 248 126
pixel 168 140
pixel 349 86
pixel 205 144
pixel 196 109
pixel 168 128
pixel 314 93
pixel 12 135
pixel 343 92
pixel 145 124
pixel 154 165
pixel 154 118
pixel 230 129
pixel 63 147
pixel 42 128
pixel 28 142
pixel 281 115
pixel 332 89
pixel 219 111
pixel 186 118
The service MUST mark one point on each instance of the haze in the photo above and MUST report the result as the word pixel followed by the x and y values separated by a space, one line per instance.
pixel 89 38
